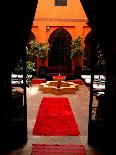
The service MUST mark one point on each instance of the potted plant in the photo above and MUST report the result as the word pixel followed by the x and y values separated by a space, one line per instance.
pixel 34 50
pixel 75 55
pixel 76 49
pixel 37 50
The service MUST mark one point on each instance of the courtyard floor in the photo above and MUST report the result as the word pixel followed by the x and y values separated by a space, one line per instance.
pixel 80 105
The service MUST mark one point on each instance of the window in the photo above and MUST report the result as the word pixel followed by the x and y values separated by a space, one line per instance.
pixel 60 2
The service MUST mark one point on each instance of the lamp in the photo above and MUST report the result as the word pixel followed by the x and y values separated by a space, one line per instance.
pixel 47 27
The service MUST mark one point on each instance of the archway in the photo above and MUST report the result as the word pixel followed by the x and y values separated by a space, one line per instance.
pixel 31 37
pixel 99 67
pixel 59 54
pixel 87 49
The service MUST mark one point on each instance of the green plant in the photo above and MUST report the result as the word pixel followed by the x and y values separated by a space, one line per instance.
pixel 36 49
pixel 100 61
pixel 76 48
pixel 30 67
pixel 100 58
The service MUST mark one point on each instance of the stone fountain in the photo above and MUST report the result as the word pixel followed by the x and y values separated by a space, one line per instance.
pixel 59 86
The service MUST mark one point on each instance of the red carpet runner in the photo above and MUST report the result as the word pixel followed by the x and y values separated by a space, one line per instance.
pixel 55 118
pixel 58 149
pixel 38 81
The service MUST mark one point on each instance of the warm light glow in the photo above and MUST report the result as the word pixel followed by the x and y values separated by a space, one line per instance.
pixel 32 90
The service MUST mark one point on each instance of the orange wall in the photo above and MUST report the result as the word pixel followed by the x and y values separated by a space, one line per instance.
pixel 46 9
pixel 71 17
pixel 68 16
pixel 86 30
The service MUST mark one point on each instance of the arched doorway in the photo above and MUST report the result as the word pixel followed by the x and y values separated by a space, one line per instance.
pixel 87 49
pixel 59 54
pixel 99 61
pixel 31 37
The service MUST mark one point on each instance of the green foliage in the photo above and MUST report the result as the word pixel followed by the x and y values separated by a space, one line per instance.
pixel 30 67
pixel 37 49
pixel 76 48
pixel 100 58
pixel 34 49
pixel 100 61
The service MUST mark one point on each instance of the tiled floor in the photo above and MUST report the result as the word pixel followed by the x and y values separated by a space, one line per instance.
pixel 80 106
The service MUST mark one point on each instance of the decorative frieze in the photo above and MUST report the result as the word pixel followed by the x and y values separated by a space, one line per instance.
pixel 62 19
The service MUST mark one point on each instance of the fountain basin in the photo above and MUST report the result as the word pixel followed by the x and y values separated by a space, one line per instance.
pixel 65 88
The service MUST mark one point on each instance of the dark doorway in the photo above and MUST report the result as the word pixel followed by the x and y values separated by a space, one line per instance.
pixel 99 67
pixel 59 53
pixel 31 37
pixel 87 49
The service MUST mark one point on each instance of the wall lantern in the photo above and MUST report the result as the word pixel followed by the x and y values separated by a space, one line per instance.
pixel 47 27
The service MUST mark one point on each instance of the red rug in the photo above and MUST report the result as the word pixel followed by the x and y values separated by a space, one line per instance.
pixel 55 118
pixel 38 81
pixel 38 149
